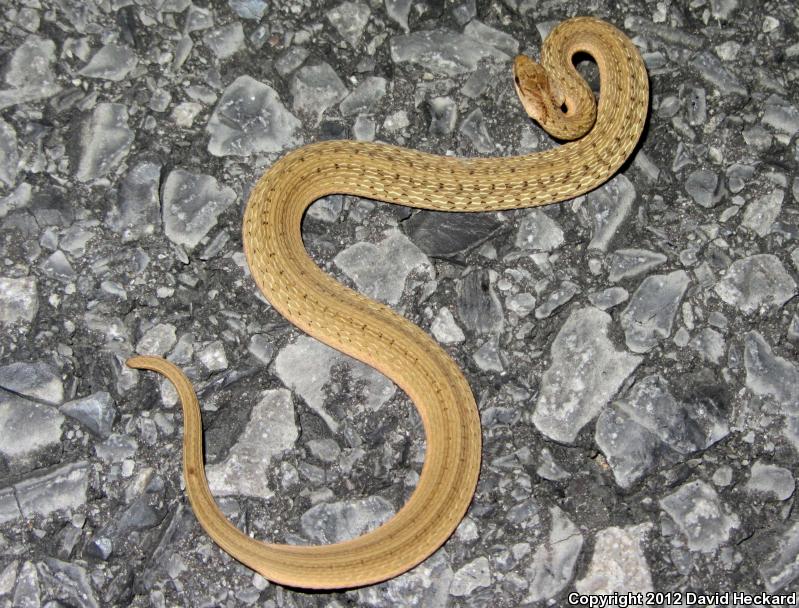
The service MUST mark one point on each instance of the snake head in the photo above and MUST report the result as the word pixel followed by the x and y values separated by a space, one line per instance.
pixel 565 116
pixel 534 89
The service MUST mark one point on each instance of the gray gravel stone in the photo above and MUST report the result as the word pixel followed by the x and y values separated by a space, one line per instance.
pixel 36 380
pixel 365 96
pixel 445 329
pixel 771 480
pixel 60 489
pixel 157 340
pixel 9 511
pixel 270 430
pixel 58 267
pixel 781 115
pixel 618 564
pixel 492 37
pixel 474 129
pixel 305 367
pixel 112 62
pixel 442 51
pixel 104 142
pixel 9 157
pixel 225 41
pixel 629 263
pixel 96 412
pixel 27 593
pixel 703 187
pixel 349 19
pixel 398 10
pixel 380 271
pixel 649 317
pixel 487 357
pixel 137 209
pixel 426 585
pixel 562 295
pixel 585 373
pixel 756 283
pixel 709 344
pixel 442 234
pixel 479 307
pixel 700 515
pixel 30 73
pixel 716 74
pixel 19 300
pixel 249 119
pixel 443 115
pixel 606 208
pixel 760 214
pixel 782 567
pixel 609 298
pixel 192 204
pixel 27 429
pixel 552 564
pixel 339 521
pixel 8 577
pixel 249 9
pixel 538 232
pixel 649 427
pixel 315 88
pixel 471 576
pixel 770 375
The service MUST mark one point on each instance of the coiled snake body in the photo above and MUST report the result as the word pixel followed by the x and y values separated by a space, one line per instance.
pixel 554 94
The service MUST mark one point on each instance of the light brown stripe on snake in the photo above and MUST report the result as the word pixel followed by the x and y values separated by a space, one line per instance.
pixel 373 333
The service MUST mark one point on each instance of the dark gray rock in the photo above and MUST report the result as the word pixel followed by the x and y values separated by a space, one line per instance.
pixel 365 96
pixel 96 412
pixel 703 186
pixel 349 19
pixel 606 208
pixel 442 234
pixel 305 367
pixel 756 283
pixel 339 521
pixel 270 431
pixel 770 375
pixel 782 567
pixel 649 317
pixel 585 372
pixel 137 209
pixel 538 232
pixel 112 62
pixel 629 263
pixel 649 427
pixel 105 140
pixel 479 308
pixel 474 129
pixel 60 489
pixel 552 565
pixel 618 563
pixel 315 88
pixel 705 522
pixel 250 118
pixel 771 481
pixel 442 51
pixel 19 300
pixel 9 156
pixel 192 203
pixel 36 380
pixel 380 271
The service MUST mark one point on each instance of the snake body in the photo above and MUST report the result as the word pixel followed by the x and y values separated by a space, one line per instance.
pixel 372 333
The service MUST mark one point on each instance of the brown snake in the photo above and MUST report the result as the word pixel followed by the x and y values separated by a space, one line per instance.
pixel 374 334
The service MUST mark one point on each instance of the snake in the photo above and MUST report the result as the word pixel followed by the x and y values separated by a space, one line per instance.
pixel 598 137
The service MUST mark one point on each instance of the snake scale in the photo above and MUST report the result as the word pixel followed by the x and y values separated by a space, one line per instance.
pixel 556 96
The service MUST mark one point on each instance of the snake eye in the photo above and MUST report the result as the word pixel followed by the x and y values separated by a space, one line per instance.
pixel 518 82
